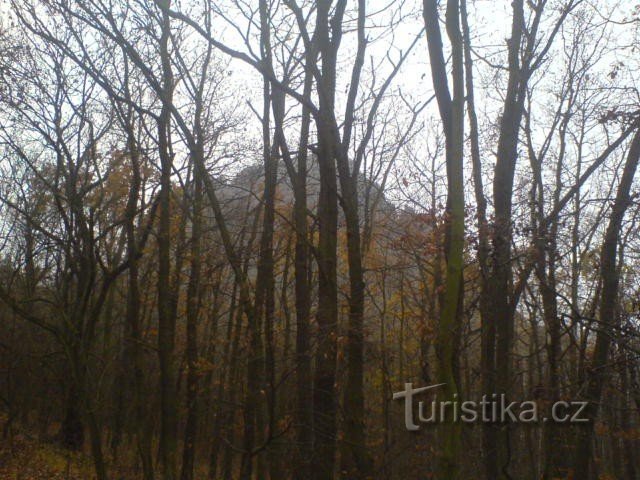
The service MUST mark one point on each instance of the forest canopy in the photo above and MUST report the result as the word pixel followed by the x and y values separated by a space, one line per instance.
pixel 262 239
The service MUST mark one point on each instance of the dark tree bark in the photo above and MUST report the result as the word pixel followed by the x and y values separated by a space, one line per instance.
pixel 501 282
pixel 607 315
pixel 166 316
pixel 356 463
pixel 452 116
pixel 304 378
pixel 133 346
pixel 487 349
pixel 193 308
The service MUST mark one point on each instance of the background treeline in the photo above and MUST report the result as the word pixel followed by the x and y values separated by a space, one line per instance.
pixel 231 230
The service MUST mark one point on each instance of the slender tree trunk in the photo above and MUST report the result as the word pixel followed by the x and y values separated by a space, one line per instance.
pixel 501 281
pixel 194 293
pixel 629 444
pixel 193 307
pixel 324 391
pixel 72 428
pixel 304 382
pixel 356 463
pixel 298 177
pixel 488 332
pixel 134 329
pixel 265 283
pixel 607 316
pixel 166 318
pixel 452 116
pixel 95 436
pixel 222 417
pixel 260 371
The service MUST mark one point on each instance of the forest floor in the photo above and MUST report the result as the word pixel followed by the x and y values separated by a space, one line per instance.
pixel 25 458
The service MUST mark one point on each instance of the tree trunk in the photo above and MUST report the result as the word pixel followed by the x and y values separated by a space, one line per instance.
pixel 356 462
pixel 304 382
pixel 608 319
pixel 72 429
pixel 501 281
pixel 166 318
pixel 193 307
pixel 452 116
pixel 324 391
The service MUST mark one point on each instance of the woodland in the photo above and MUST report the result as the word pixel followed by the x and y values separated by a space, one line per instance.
pixel 232 230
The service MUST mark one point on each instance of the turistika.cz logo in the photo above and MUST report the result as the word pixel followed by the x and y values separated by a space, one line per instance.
pixel 490 409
